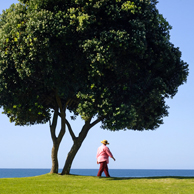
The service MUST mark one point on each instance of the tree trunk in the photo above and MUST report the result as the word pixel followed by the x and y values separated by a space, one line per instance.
pixel 54 157
pixel 56 140
pixel 77 143
pixel 74 149
pixel 70 157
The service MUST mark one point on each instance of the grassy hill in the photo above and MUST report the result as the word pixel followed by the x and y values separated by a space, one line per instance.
pixel 86 184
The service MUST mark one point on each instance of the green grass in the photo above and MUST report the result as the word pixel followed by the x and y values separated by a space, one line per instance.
pixel 86 184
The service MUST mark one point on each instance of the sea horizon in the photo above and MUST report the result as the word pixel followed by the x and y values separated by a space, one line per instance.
pixel 30 172
pixel 109 168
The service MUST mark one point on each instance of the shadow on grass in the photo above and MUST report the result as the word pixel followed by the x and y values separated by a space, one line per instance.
pixel 132 178
pixel 158 177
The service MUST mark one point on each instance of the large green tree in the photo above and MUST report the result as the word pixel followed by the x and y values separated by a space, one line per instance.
pixel 109 61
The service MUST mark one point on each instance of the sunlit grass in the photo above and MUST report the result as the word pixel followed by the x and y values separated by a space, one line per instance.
pixel 88 184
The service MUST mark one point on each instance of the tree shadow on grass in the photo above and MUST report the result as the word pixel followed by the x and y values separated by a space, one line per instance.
pixel 158 177
pixel 132 178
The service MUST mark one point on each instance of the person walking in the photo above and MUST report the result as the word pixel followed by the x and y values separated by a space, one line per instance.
pixel 103 154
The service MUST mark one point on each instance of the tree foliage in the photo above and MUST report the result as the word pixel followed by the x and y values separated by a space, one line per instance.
pixel 108 59
pixel 114 57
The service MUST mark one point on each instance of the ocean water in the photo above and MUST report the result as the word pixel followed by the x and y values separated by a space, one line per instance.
pixel 13 173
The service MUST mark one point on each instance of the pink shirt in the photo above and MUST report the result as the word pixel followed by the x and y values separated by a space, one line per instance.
pixel 103 153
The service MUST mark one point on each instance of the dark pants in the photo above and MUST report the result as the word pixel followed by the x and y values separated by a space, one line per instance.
pixel 103 167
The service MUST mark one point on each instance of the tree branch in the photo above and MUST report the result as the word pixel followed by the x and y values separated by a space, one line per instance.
pixel 63 115
pixel 70 130
pixel 53 125
pixel 62 131
pixel 95 122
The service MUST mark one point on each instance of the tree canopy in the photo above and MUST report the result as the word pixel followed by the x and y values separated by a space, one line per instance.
pixel 108 59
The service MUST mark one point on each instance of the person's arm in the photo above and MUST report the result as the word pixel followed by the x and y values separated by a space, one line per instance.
pixel 97 155
pixel 109 153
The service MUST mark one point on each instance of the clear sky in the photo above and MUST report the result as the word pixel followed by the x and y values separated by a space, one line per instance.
pixel 168 147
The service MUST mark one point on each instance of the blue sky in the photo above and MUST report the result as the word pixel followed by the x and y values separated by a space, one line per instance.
pixel 169 147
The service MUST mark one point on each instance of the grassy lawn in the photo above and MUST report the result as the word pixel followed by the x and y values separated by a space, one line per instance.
pixel 87 184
